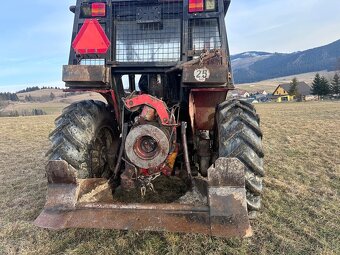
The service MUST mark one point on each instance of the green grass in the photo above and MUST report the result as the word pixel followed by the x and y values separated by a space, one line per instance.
pixel 300 212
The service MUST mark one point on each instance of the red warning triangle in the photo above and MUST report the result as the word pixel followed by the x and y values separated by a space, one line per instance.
pixel 91 39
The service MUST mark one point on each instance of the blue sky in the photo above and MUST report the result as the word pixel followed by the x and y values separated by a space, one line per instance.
pixel 36 34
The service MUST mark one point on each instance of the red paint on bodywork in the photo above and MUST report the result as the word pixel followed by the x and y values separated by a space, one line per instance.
pixel 154 103
pixel 202 106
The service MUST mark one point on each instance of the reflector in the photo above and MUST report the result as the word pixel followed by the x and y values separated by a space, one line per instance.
pixel 196 5
pixel 91 39
pixel 98 9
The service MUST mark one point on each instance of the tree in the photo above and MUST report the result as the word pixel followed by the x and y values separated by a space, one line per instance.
pixel 13 97
pixel 29 89
pixel 325 87
pixel 7 96
pixel 321 86
pixel 316 86
pixel 335 88
pixel 293 90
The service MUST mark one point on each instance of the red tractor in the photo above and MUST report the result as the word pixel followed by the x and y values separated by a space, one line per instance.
pixel 167 151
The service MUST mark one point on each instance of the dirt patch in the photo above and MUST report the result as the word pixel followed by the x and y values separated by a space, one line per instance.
pixel 193 197
pixel 101 193
pixel 167 190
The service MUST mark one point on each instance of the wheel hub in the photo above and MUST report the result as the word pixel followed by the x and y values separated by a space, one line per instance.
pixel 147 146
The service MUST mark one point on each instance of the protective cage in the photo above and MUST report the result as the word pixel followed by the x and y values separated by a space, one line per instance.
pixel 157 33
pixel 204 34
pixel 147 31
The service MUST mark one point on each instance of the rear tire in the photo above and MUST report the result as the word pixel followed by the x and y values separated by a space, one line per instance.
pixel 239 135
pixel 86 136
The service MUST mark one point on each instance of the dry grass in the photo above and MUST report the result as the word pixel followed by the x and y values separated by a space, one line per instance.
pixel 50 107
pixel 300 209
pixel 41 93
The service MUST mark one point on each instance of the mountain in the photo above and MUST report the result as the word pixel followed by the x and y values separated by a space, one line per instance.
pixel 256 66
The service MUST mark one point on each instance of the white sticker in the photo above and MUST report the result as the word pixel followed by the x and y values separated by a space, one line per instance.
pixel 202 74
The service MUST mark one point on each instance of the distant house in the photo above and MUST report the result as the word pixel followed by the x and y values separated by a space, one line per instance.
pixel 281 93
pixel 238 93
pixel 244 94
pixel 262 92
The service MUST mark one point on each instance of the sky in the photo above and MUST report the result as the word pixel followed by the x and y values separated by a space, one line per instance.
pixel 36 35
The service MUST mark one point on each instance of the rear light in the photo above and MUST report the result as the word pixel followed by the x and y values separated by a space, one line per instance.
pixel 201 5
pixel 196 6
pixel 93 10
pixel 98 10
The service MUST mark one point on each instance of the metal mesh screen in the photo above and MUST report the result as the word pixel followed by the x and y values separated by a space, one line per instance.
pixel 92 62
pixel 204 34
pixel 148 31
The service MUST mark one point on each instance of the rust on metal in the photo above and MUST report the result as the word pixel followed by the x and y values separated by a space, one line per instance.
pixel 60 172
pixel 215 76
pixel 209 70
pixel 185 151
pixel 202 106
pixel 80 73
pixel 147 146
pixel 227 198
pixel 87 204
pixel 234 177
pixel 152 102
pixel 128 178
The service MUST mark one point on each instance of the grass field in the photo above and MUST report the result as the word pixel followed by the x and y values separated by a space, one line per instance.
pixel 300 205
pixel 50 107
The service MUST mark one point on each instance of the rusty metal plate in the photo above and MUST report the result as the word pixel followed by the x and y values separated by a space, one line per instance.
pixel 84 205
pixel 227 172
pixel 79 73
pixel 227 198
pixel 202 106
pixel 228 212
pixel 149 14
pixel 205 76
pixel 185 221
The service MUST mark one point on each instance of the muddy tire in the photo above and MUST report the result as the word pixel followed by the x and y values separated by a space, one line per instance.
pixel 239 135
pixel 86 136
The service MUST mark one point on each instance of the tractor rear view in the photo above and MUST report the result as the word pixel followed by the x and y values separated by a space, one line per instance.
pixel 167 151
